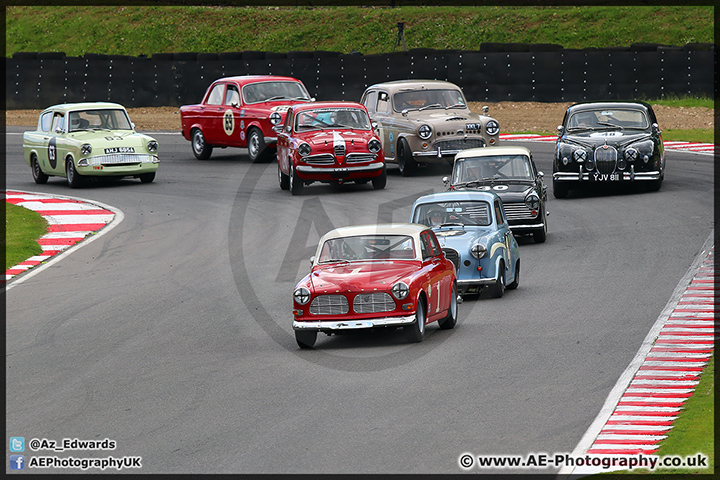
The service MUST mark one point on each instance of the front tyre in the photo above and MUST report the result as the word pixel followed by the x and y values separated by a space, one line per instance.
pixel 147 177
pixel 416 331
pixel 560 189
pixel 497 290
pixel 37 173
pixel 380 181
pixel 257 150
pixel 514 284
pixel 305 338
pixel 405 160
pixel 73 177
pixel 283 179
pixel 296 183
pixel 200 148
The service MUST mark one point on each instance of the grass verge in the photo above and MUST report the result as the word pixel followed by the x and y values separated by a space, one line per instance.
pixel 22 229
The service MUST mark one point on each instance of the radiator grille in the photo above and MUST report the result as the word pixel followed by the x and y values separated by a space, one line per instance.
pixel 339 149
pixel 360 157
pixel 373 303
pixel 321 159
pixel 459 144
pixel 329 305
pixel 120 159
pixel 453 256
pixel 517 211
pixel 605 159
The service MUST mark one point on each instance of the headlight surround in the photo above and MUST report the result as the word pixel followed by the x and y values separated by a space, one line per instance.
pixel 400 290
pixel 532 201
pixel 492 127
pixel 478 250
pixel 374 145
pixel 301 296
pixel 304 149
pixel 275 118
pixel 86 149
pixel 152 146
pixel 631 154
pixel 580 155
pixel 424 131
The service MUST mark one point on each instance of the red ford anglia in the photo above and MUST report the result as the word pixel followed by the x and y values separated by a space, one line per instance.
pixel 376 276
pixel 241 112
pixel 330 142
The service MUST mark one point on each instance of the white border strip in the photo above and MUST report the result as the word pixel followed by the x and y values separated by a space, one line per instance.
pixel 119 217
pixel 624 381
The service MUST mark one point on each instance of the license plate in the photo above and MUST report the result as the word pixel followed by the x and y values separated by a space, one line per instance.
pixel 473 126
pixel 120 150
pixel 606 177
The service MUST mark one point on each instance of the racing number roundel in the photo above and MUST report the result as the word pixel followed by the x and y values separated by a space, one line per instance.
pixel 228 122
pixel 52 152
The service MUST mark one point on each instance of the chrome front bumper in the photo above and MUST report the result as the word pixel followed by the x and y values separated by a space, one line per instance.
pixel 335 325
pixel 365 168
pixel 626 176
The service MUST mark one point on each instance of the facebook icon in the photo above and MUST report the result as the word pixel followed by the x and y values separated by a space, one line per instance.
pixel 17 462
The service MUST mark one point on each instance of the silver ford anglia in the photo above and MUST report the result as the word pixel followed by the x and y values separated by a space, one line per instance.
pixel 80 140
pixel 426 121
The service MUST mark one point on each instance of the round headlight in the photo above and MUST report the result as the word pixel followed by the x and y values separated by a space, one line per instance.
pixel 425 131
pixel 580 155
pixel 152 146
pixel 492 127
pixel 275 118
pixel 304 149
pixel 631 154
pixel 86 149
pixel 374 145
pixel 301 296
pixel 478 250
pixel 532 201
pixel 400 290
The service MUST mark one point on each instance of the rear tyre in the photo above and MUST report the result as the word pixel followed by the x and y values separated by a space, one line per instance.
pixel 305 338
pixel 416 331
pixel 37 173
pixel 201 150
pixel 451 319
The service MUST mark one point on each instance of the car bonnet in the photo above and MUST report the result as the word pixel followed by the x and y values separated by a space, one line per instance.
pixel 360 276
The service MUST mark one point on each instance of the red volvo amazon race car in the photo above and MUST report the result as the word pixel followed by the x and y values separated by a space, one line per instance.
pixel 330 142
pixel 241 112
pixel 376 276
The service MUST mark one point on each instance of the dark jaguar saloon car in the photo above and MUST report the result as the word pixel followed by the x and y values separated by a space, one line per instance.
pixel 608 143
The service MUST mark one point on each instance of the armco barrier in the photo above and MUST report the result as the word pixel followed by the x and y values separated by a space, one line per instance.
pixel 495 72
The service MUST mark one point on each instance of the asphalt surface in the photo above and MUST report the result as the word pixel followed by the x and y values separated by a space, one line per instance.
pixel 171 334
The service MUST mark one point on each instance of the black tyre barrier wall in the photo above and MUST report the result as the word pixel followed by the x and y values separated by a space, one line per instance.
pixel 497 72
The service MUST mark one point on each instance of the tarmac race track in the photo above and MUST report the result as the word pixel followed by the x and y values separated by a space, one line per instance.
pixel 171 334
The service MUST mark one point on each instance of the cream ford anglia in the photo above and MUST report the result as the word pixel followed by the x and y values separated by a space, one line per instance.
pixel 81 140
pixel 426 121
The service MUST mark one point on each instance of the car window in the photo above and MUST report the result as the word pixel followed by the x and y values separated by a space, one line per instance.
pixel 383 103
pixel 367 247
pixel 608 117
pixel 288 121
pixel 232 96
pixel 438 98
pixel 501 167
pixel 498 214
pixel 274 90
pixel 46 121
pixel 320 118
pixel 58 122
pixel 425 247
pixel 216 95
pixel 434 244
pixel 369 100
pixel 468 212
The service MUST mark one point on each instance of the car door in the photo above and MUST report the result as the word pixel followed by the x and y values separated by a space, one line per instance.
pixel 55 145
pixel 436 274
pixel 283 142
pixel 381 114
pixel 212 115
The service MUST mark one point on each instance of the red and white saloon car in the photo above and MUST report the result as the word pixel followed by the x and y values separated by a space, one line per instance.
pixel 240 112
pixel 376 276
pixel 329 142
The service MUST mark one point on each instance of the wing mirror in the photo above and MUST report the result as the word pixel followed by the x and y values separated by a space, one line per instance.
pixel 312 261
pixel 446 181
pixel 656 129
pixel 560 130
pixel 277 128
pixel 485 109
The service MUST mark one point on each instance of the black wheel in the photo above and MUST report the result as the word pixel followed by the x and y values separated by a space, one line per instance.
pixel 37 173
pixel 296 184
pixel 560 190
pixel 540 235
pixel 256 146
pixel 380 181
pixel 283 179
pixel 514 284
pixel 201 149
pixel 405 160
pixel 497 290
pixel 416 331
pixel 305 338
pixel 147 177
pixel 73 177
pixel 451 319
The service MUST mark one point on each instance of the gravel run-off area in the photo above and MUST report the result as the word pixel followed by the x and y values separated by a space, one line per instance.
pixel 514 117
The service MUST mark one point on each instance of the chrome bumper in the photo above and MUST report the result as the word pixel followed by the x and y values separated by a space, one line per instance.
pixel 626 176
pixel 354 324
pixel 478 282
pixel 526 226
pixel 365 168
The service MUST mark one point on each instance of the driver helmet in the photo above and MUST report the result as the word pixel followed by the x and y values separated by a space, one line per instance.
pixel 436 216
